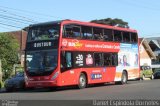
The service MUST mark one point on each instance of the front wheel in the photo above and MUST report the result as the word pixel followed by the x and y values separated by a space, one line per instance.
pixel 82 83
pixel 124 78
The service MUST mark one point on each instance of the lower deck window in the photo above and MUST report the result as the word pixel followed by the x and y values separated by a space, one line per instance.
pixel 86 59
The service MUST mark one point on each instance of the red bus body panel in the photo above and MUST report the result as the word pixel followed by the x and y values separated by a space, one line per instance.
pixel 94 74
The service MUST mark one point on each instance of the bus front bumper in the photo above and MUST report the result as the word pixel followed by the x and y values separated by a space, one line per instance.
pixel 37 84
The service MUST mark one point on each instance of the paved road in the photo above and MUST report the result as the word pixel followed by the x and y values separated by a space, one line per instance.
pixel 133 90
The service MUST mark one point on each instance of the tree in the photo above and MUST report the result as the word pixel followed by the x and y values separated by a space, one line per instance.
pixel 9 47
pixel 112 22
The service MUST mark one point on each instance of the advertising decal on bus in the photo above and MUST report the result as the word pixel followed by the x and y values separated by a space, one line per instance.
pixel 101 46
pixel 127 60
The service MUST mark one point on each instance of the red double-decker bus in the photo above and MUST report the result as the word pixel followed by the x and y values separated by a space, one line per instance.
pixel 69 52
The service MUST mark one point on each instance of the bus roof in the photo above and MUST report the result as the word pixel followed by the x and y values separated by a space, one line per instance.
pixel 67 21
pixel 99 25
pixel 45 23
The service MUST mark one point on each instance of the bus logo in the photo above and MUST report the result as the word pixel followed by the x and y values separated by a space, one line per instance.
pixel 75 43
pixel 78 45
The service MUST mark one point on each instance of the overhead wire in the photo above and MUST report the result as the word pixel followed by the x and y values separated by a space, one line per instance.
pixel 14 19
pixel 5 11
pixel 5 27
pixel 33 13
pixel 10 25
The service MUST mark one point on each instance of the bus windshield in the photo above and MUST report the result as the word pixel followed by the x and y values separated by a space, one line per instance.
pixel 41 62
pixel 44 32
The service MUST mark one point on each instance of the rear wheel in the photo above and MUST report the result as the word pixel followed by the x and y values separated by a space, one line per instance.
pixel 82 81
pixel 124 78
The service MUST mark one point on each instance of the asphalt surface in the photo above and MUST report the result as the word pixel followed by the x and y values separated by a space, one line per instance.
pixel 149 89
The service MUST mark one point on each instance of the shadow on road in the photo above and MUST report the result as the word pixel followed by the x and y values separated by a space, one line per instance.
pixel 66 88
pixel 37 90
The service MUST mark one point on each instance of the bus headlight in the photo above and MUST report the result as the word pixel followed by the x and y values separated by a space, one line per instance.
pixel 54 76
pixel 25 76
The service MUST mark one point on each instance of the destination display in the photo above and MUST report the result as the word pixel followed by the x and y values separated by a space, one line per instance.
pixel 42 45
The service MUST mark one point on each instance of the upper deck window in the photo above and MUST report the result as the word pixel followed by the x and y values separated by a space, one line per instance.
pixel 134 38
pixel 126 37
pixel 87 32
pixel 44 32
pixel 108 36
pixel 72 31
pixel 117 36
pixel 98 33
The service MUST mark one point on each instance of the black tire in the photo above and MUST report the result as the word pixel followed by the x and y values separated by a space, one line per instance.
pixel 138 79
pixel 152 77
pixel 124 78
pixel 82 81
pixel 9 89
pixel 141 79
pixel 52 88
pixel 29 88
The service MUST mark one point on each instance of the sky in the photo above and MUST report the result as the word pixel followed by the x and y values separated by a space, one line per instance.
pixel 142 15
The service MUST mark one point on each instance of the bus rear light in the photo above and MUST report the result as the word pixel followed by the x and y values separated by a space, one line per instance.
pixel 54 76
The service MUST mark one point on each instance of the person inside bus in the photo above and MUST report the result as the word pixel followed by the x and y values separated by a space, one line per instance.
pixel 68 60
pixel 44 35
pixel 53 61
pixel 105 37
pixel 107 61
pixel 101 36
pixel 96 36
pixel 54 35
pixel 125 61
pixel 36 62
pixel 63 61
pixel 116 38
pixel 69 33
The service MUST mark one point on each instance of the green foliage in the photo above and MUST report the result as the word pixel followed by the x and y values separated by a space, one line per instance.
pixel 112 22
pixel 1 84
pixel 8 53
